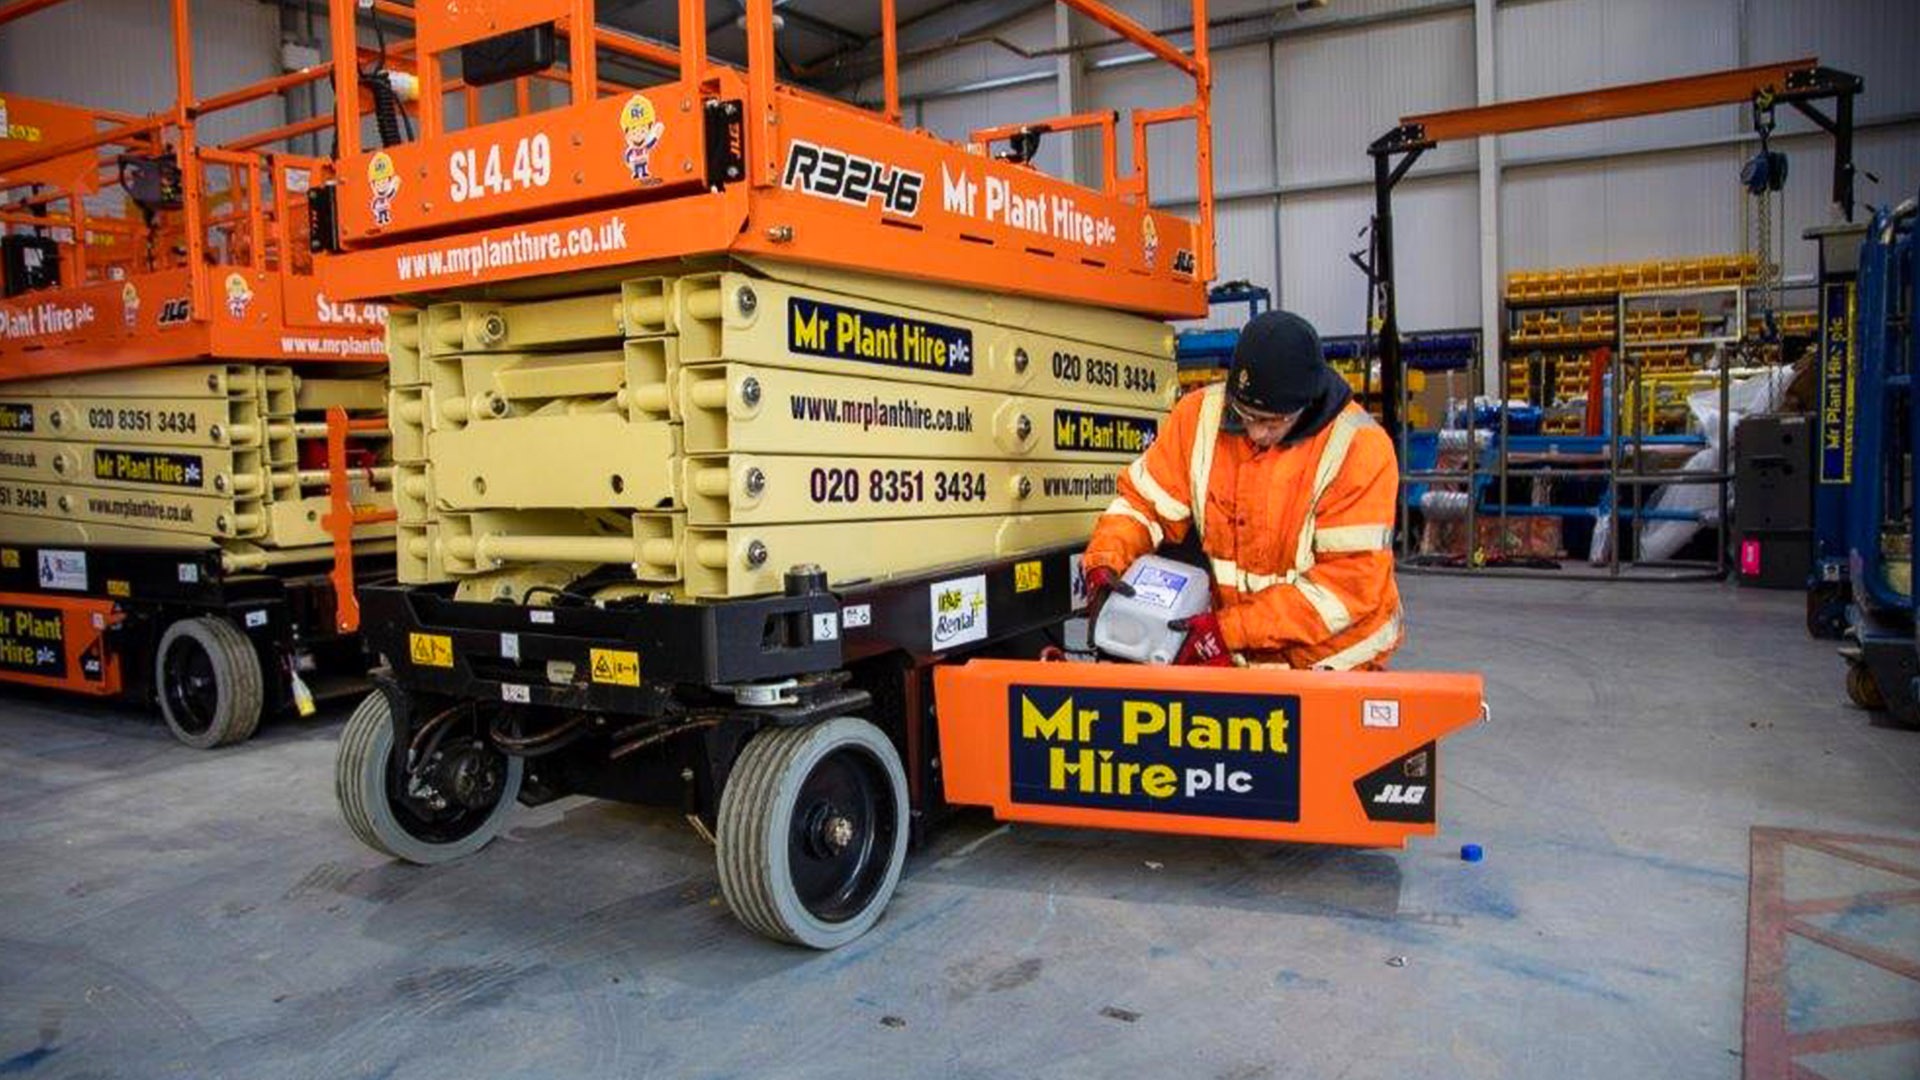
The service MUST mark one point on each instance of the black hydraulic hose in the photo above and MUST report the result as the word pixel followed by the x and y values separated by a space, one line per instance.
pixel 560 736
pixel 660 736
pixel 386 108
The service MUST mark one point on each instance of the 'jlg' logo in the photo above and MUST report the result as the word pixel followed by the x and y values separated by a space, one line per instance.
pixel 175 312
pixel 1402 794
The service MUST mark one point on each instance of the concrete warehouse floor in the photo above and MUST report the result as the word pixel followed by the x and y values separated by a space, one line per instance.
pixel 166 912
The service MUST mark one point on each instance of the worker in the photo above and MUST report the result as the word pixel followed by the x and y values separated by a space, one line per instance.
pixel 1292 488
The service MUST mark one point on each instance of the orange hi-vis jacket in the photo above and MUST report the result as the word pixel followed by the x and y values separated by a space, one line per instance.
pixel 1299 535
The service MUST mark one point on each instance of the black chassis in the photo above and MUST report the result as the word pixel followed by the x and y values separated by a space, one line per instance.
pixel 672 739
pixel 282 611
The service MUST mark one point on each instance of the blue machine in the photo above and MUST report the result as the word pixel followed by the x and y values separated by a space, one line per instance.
pixel 1214 348
pixel 1883 498
pixel 1827 591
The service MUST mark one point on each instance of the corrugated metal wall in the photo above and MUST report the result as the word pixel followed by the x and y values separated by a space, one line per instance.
pixel 1666 185
pixel 118 54
pixel 1298 98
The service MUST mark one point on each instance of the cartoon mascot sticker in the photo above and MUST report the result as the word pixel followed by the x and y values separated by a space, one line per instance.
pixel 641 127
pixel 384 183
pixel 1149 239
pixel 239 295
pixel 130 305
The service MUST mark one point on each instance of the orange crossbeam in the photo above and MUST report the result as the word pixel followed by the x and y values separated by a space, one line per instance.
pixel 262 89
pixel 1613 103
pixel 281 133
pixel 1140 35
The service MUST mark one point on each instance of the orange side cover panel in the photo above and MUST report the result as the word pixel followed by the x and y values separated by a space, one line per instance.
pixel 58 642
pixel 1261 754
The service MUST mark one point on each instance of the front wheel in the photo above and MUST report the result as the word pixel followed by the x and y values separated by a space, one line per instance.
pixel 210 685
pixel 440 799
pixel 813 831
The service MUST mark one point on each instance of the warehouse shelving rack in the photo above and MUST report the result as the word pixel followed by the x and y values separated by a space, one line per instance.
pixel 1621 457
pixel 1803 85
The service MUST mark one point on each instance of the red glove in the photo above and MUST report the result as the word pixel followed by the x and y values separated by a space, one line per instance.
pixel 1101 582
pixel 1205 645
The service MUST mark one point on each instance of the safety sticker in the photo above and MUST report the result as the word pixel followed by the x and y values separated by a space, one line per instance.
pixel 854 616
pixel 1026 576
pixel 10 559
pixel 119 588
pixel 430 650
pixel 615 667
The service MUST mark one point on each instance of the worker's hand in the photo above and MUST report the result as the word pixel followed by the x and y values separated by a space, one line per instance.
pixel 1102 582
pixel 1204 645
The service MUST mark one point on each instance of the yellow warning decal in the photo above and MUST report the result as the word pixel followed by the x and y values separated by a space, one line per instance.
pixel 9 559
pixel 1026 576
pixel 431 650
pixel 615 666
pixel 119 588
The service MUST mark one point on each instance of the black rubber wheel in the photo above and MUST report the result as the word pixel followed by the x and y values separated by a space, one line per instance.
pixel 1827 611
pixel 813 831
pixel 1862 690
pixel 209 683
pixel 451 808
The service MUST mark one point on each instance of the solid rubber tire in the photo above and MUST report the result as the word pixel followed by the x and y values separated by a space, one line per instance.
pixel 360 787
pixel 239 682
pixel 1862 690
pixel 755 809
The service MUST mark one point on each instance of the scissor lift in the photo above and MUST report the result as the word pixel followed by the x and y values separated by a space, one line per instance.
pixel 809 721
pixel 167 367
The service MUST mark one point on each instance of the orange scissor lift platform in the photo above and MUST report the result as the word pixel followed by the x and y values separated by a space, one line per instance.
pixel 219 269
pixel 812 729
pixel 169 368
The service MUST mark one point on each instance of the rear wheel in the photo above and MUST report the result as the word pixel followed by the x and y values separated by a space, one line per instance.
pixel 210 685
pixel 813 831
pixel 1862 690
pixel 441 798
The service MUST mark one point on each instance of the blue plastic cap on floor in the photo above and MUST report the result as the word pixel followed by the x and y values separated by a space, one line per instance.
pixel 1472 852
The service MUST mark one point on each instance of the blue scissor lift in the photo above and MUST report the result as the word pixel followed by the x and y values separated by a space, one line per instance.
pixel 1883 499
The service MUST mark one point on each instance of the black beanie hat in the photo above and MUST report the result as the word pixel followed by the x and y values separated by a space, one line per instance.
pixel 1277 366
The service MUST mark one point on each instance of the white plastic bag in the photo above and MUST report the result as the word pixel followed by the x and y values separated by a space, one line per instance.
pixel 1660 540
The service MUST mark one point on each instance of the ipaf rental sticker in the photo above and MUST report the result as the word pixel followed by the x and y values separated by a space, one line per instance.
pixel 1213 755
